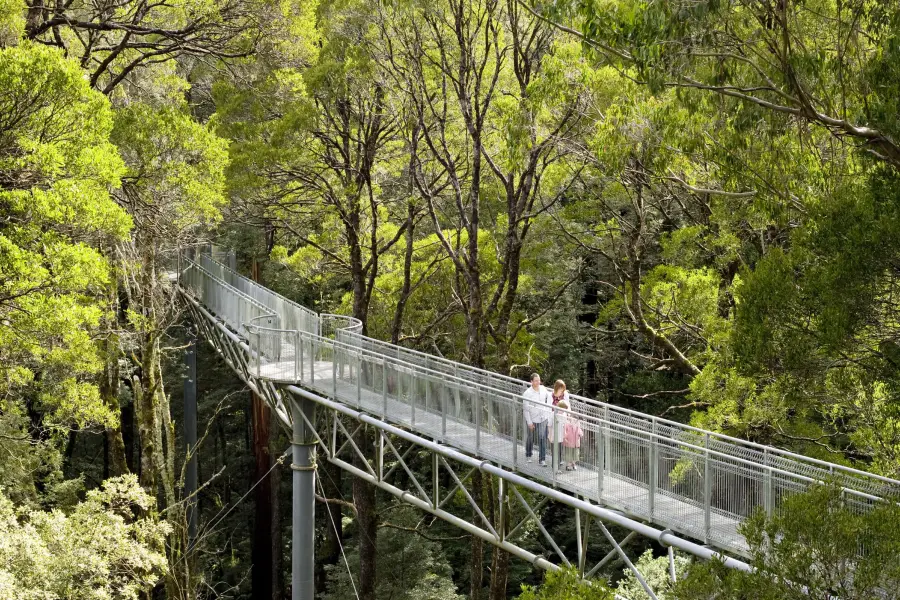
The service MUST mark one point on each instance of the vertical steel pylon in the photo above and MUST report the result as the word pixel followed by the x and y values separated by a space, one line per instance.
pixel 190 433
pixel 303 514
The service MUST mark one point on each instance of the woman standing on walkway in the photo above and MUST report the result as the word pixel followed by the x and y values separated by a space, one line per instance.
pixel 560 395
pixel 559 392
pixel 557 431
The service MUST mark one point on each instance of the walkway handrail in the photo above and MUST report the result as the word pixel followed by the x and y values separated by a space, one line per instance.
pixel 237 309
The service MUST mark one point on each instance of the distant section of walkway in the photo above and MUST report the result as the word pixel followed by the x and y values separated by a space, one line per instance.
pixel 695 482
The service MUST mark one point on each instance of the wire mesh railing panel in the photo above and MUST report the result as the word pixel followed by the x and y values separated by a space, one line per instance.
pixel 291 314
pixel 330 325
pixel 275 354
pixel 229 304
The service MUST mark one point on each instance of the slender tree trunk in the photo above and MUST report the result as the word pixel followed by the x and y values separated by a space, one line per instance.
pixel 334 529
pixel 397 324
pixel 476 564
pixel 262 525
pixel 363 492
pixel 167 429
pixel 261 552
pixel 114 443
pixel 277 528
pixel 364 500
pixel 499 557
pixel 131 460
pixel 114 440
pixel 147 387
pixel 70 448
pixel 146 419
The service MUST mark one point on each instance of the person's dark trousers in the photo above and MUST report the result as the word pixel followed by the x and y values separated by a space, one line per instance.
pixel 540 432
pixel 539 435
pixel 529 441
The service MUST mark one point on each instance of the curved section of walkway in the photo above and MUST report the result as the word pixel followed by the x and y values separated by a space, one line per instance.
pixel 695 482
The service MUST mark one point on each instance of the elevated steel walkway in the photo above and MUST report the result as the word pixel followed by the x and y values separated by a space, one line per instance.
pixel 683 479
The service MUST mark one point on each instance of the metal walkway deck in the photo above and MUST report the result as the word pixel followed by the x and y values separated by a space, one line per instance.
pixel 691 481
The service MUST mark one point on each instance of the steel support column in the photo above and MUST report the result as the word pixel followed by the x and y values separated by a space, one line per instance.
pixel 190 433
pixel 303 517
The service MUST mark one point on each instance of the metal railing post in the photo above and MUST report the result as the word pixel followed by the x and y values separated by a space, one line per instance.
pixel 257 353
pixel 333 372
pixel 384 403
pixel 767 484
pixel 652 467
pixel 554 464
pixel 515 437
pixel 443 416
pixel 477 421
pixel 412 400
pixel 300 344
pixel 490 412
pixel 456 391
pixel 298 366
pixel 607 456
pixel 707 493
pixel 601 457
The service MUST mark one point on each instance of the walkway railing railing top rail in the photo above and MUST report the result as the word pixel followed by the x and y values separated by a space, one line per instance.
pixel 347 333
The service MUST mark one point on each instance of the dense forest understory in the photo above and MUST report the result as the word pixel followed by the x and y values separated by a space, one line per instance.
pixel 689 208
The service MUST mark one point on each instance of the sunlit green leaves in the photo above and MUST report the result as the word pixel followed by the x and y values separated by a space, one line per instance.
pixel 12 21
pixel 818 545
pixel 99 550
pixel 57 168
pixel 566 585
pixel 176 167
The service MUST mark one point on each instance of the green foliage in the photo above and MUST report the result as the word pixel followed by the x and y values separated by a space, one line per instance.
pixel 564 584
pixel 57 166
pixel 655 572
pixel 817 545
pixel 176 169
pixel 411 568
pixel 12 22
pixel 99 550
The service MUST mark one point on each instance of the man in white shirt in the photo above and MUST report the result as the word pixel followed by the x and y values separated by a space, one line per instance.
pixel 537 408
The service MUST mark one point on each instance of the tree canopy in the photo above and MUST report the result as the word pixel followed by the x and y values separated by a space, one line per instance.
pixel 685 207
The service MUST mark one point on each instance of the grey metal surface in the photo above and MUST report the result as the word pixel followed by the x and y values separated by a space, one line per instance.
pixel 303 508
pixel 190 434
pixel 698 483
